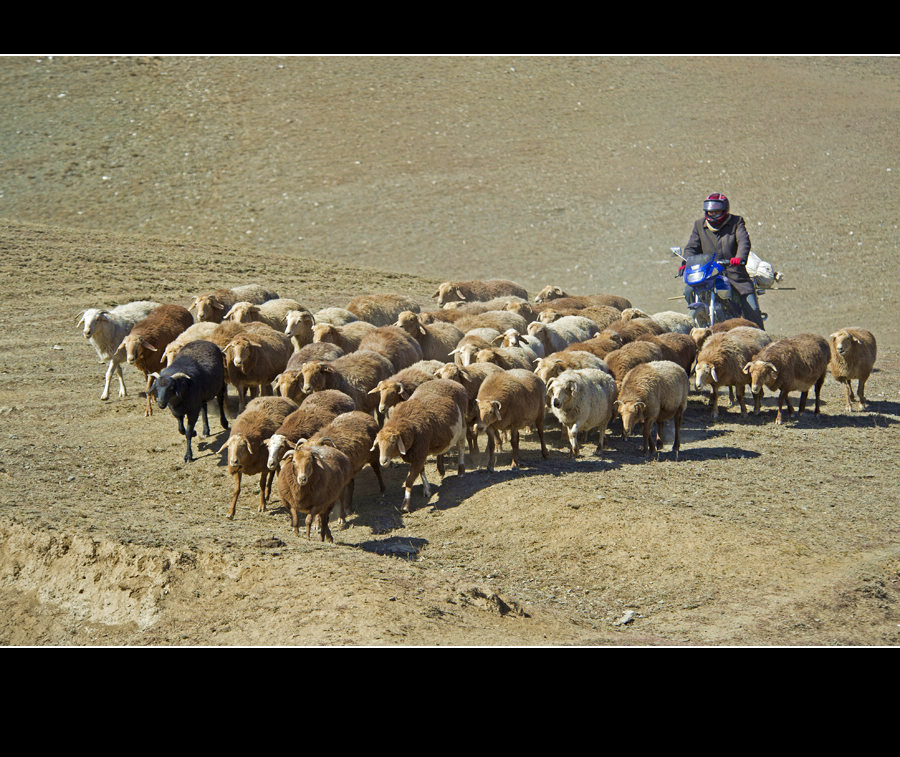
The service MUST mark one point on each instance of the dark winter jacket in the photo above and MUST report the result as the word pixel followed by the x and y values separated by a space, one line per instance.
pixel 730 240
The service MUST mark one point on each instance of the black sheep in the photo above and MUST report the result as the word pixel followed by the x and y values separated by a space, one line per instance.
pixel 195 376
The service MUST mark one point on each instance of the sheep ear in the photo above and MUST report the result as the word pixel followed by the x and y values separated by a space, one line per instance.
pixel 460 294
pixel 436 294
pixel 558 291
pixel 774 369
pixel 180 374
pixel 222 448
pixel 148 345
pixel 289 455
pixel 249 448
pixel 422 330
pixel 712 372
pixel 194 303
pixel 747 367
pixel 496 404
pixel 80 319
pixel 571 386
pixel 401 446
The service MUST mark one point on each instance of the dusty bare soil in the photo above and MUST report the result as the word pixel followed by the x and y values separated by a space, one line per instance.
pixel 158 178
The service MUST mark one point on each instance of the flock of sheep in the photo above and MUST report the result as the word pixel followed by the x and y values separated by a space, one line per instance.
pixel 379 379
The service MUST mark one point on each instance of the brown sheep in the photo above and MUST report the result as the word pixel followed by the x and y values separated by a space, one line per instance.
pixel 677 347
pixel 437 340
pixel 428 423
pixel 477 290
pixel 792 364
pixel 346 337
pixel 501 320
pixel 393 343
pixel 380 309
pixel 853 352
pixel 355 374
pixel 399 387
pixel 353 433
pixel 600 345
pixel 651 393
pixel 311 480
pixel 470 377
pixel 145 344
pixel 316 411
pixel 510 401
pixel 629 355
pixel 551 293
pixel 246 444
pixel 254 358
pixel 213 305
pixel 289 383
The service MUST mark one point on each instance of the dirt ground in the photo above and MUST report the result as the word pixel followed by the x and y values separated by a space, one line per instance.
pixel 159 178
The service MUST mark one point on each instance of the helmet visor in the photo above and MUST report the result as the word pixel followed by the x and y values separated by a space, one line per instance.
pixel 714 208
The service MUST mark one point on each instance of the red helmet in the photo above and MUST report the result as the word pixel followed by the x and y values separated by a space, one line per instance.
pixel 716 206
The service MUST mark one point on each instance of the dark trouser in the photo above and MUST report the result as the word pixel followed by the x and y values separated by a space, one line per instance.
pixel 750 309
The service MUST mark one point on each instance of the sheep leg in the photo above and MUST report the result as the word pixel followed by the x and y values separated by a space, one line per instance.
pixel 802 405
pixel 263 495
pixel 189 434
pixel 460 458
pixel 782 400
pixel 860 390
pixel 514 442
pixel 440 464
pixel 491 450
pixel 416 469
pixel 757 402
pixel 714 400
pixel 235 494
pixel 221 400
pixel 148 411
pixel 573 440
pixel 539 427
pixel 346 500
pixel 104 395
pixel 376 467
pixel 677 445
pixel 739 391
pixel 819 393
pixel 205 419
pixel 601 441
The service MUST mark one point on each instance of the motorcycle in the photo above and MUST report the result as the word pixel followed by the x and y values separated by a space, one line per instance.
pixel 713 298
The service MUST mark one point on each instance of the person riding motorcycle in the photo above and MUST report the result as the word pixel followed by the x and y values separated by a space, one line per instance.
pixel 724 235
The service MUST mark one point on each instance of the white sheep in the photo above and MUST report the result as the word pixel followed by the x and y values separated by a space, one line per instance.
pixel 105 329
pixel 558 335
pixel 298 325
pixel 212 306
pixel 583 400
pixel 853 353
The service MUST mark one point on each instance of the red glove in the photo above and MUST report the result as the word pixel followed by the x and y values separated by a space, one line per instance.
pixel 681 269
pixel 734 261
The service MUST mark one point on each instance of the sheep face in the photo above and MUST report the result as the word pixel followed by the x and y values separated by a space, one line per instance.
pixel 389 444
pixel 705 374
pixel 289 384
pixel 136 348
pixel 761 374
pixel 240 452
pixel 304 464
pixel 278 445
pixel 632 412
pixel 561 393
pixel 843 343
pixel 169 390
pixel 489 413
pixel 315 376
pixel 209 308
pixel 548 368
pixel 390 393
pixel 241 354
pixel 549 293
pixel 242 312
pixel 299 324
pixel 92 319
pixel 410 323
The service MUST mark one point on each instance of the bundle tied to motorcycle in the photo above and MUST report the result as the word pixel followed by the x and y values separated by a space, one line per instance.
pixel 711 298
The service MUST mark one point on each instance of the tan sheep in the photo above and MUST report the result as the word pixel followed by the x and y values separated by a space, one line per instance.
pixel 509 401
pixel 555 363
pixel 853 352
pixel 793 364
pixel 470 377
pixel 600 345
pixel 355 374
pixel 145 344
pixel 381 309
pixel 629 355
pixel 271 312
pixel 652 393
pixel 430 422
pixel 399 387
pixel 721 361
pixel 193 333
pixel 254 358
pixel 508 357
pixel 437 339
pixel 346 337
pixel 393 343
pixel 298 325
pixel 246 445
pixel 477 290
pixel 213 305
pixel 311 480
